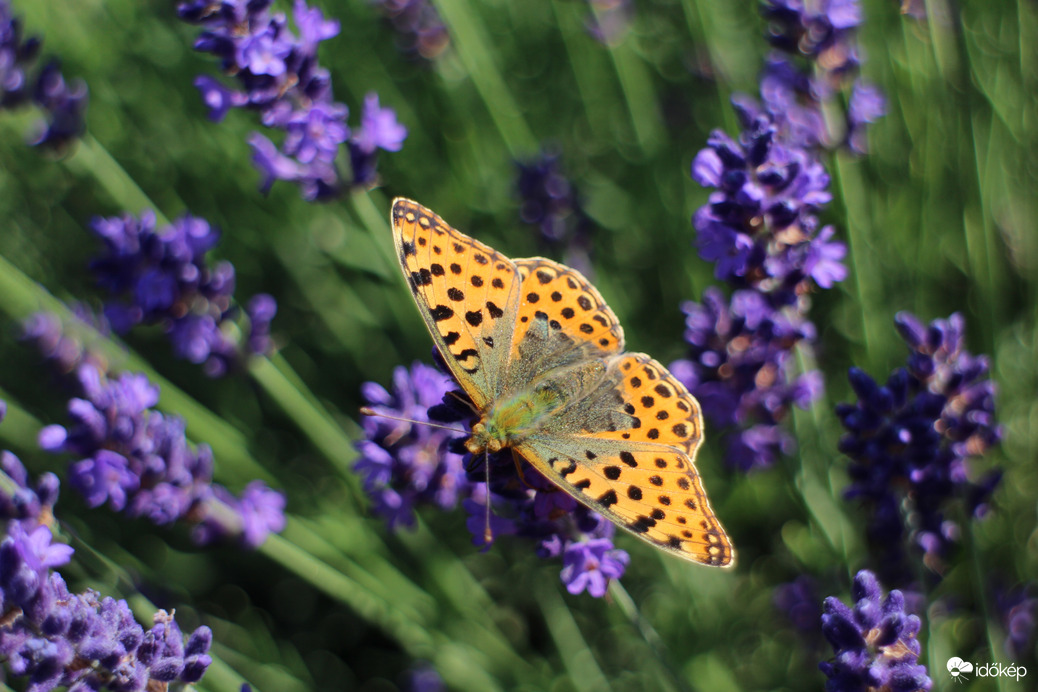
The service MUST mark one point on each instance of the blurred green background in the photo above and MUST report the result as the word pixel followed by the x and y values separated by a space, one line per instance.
pixel 939 217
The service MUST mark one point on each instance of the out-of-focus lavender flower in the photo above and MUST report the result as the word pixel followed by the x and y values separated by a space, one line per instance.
pixel 1017 609
pixel 161 276
pixel 798 601
pixel 551 202
pixel 760 226
pixel 419 26
pixel 63 105
pixel 823 37
pixel 138 460
pixel 422 677
pixel 914 441
pixel 589 565
pixel 610 20
pixel 378 129
pixel 63 349
pixel 824 31
pixel 738 367
pixel 279 76
pixel 874 641
pixel 916 9
pixel 403 464
pixel 78 641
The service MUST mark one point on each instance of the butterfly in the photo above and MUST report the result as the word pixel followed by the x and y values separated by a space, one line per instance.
pixel 541 357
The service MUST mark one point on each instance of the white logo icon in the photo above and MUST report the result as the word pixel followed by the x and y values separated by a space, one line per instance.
pixel 958 668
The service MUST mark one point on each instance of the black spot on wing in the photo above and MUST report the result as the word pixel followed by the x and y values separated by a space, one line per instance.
pixel 441 312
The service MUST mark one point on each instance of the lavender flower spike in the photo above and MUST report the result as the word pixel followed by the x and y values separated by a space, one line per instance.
pixel 278 75
pixel 161 276
pixel 76 641
pixel 405 465
pixel 914 440
pixel 63 105
pixel 138 460
pixel 874 642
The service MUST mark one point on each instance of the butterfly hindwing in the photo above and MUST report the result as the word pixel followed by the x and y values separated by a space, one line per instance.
pixel 627 450
pixel 652 490
pixel 467 293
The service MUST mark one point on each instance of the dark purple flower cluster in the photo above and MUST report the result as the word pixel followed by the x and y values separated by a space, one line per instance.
pixel 161 276
pixel 760 226
pixel 79 641
pixel 740 358
pixel 550 201
pixel 139 461
pixel 911 440
pixel 421 30
pixel 63 105
pixel 824 35
pixel 279 76
pixel 405 465
pixel 874 641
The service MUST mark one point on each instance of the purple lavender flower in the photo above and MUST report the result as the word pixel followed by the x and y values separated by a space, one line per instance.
pixel 78 641
pixel 589 565
pixel 138 460
pixel 63 105
pixel 823 31
pixel 760 227
pixel 379 129
pixel 738 367
pixel 161 276
pixel 874 641
pixel 279 76
pixel 418 25
pixel 913 442
pixel 551 202
pixel 822 34
pixel 404 465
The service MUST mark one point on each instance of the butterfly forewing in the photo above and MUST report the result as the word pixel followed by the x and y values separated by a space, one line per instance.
pixel 467 293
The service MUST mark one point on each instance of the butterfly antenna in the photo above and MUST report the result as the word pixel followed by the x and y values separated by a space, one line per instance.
pixel 488 535
pixel 464 400
pixel 368 411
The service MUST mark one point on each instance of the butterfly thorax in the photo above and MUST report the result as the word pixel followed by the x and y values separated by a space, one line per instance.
pixel 507 422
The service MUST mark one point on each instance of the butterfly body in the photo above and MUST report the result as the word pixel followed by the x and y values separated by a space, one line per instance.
pixel 541 356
